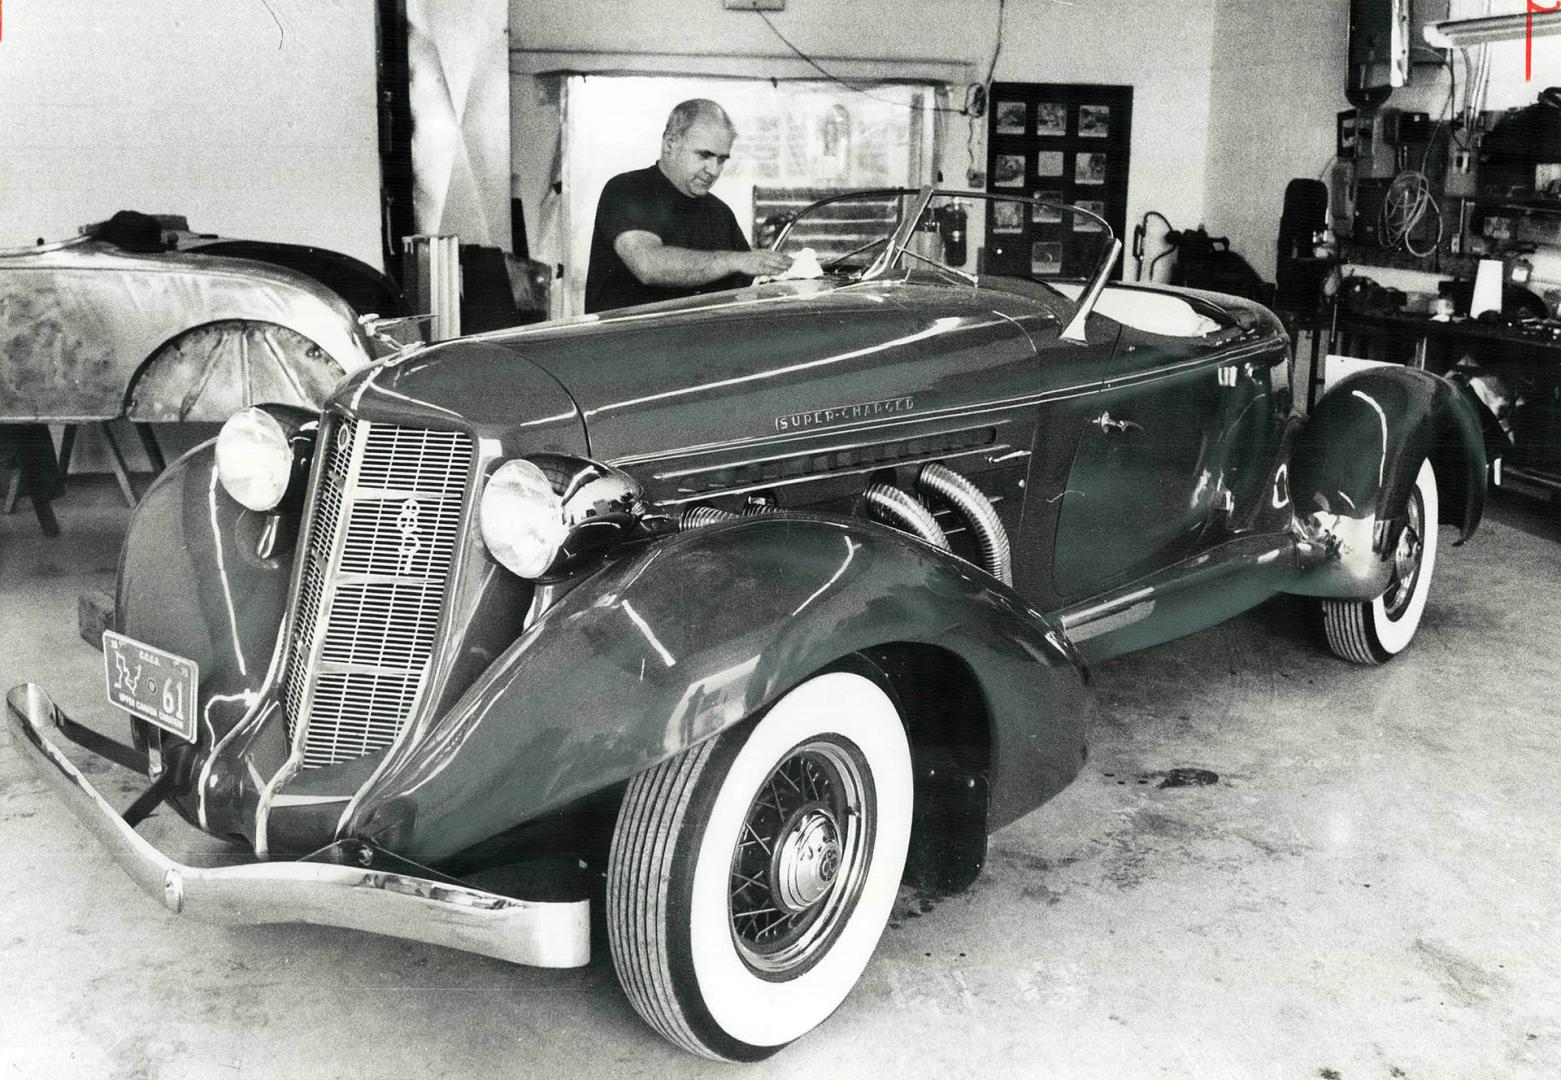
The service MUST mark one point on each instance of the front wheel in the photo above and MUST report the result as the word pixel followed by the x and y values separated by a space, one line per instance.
pixel 751 876
pixel 1374 631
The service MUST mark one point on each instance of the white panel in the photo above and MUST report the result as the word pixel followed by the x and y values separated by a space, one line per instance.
pixel 459 56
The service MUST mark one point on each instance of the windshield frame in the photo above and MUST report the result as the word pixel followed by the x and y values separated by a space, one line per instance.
pixel 898 241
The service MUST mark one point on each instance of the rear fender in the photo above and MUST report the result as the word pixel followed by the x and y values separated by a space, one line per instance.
pixel 1492 401
pixel 1354 466
pixel 678 642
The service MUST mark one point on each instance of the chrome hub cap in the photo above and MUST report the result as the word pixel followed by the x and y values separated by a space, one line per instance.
pixel 807 859
pixel 1406 560
pixel 802 857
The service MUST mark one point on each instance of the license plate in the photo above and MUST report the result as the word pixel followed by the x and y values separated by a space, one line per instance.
pixel 155 685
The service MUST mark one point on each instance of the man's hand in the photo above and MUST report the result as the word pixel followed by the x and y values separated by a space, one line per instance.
pixel 655 263
pixel 759 263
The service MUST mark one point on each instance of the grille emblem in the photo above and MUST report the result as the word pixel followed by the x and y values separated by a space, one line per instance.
pixel 411 535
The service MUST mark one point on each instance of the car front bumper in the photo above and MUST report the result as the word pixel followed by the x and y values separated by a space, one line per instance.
pixel 539 934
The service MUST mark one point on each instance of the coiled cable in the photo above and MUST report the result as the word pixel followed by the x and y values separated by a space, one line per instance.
pixel 1404 206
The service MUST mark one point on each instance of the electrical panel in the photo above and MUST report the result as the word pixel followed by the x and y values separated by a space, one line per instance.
pixel 1361 140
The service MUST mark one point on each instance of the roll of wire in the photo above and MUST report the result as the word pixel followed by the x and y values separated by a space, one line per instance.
pixel 978 512
pixel 902 509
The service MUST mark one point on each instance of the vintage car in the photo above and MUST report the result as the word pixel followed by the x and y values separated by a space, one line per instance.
pixel 795 587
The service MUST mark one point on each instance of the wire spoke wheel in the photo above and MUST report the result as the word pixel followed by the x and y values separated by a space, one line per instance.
pixel 1374 631
pixel 801 857
pixel 1406 559
pixel 751 875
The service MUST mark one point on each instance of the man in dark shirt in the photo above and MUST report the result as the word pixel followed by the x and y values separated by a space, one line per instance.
pixel 660 234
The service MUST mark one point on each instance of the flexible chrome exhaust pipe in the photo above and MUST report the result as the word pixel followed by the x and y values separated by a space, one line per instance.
pixel 699 516
pixel 978 512
pixel 902 509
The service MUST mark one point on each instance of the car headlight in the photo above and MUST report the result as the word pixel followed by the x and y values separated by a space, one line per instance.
pixel 256 459
pixel 522 518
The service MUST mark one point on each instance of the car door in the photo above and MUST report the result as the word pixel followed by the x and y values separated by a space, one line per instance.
pixel 1168 447
pixel 1058 387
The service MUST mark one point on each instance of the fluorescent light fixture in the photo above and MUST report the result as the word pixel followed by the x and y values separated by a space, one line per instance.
pixel 1461 33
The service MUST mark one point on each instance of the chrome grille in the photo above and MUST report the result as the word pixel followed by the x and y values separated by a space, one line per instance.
pixel 376 568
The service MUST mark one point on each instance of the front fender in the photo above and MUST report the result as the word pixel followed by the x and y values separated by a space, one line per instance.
pixel 1355 463
pixel 675 644
pixel 191 582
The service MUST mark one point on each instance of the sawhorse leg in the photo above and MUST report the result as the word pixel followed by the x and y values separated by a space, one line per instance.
pixel 116 458
pixel 154 453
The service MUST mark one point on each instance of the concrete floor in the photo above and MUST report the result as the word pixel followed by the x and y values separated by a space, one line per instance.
pixel 1370 890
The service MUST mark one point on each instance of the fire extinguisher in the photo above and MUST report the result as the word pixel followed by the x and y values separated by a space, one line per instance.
pixel 951 227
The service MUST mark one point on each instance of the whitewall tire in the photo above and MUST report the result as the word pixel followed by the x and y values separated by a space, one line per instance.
pixel 1374 631
pixel 751 876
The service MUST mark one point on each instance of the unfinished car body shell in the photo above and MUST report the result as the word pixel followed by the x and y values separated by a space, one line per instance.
pixel 90 332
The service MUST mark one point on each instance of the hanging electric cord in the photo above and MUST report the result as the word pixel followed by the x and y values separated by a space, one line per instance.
pixel 975 94
pixel 997 48
pixel 830 75
pixel 1447 105
pixel 1404 206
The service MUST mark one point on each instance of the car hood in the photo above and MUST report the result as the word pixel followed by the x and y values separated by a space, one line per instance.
pixel 756 363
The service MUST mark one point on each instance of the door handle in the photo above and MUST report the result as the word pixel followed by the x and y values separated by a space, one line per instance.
pixel 1108 425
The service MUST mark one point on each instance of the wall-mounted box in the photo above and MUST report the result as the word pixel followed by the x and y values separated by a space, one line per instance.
pixel 1360 139
pixel 1400 127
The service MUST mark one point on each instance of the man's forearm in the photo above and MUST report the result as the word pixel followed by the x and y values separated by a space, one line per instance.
pixel 677 266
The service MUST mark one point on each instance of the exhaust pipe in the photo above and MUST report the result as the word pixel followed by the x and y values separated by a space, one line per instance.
pixel 902 509
pixel 978 512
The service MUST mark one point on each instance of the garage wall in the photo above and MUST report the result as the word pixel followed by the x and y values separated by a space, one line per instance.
pixel 1260 139
pixel 1164 56
pixel 253 118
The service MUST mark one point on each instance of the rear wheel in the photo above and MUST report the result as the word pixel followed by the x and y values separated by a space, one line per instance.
pixel 751 876
pixel 1374 631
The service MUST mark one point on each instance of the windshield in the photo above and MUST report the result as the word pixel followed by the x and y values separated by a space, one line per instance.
pixel 963 234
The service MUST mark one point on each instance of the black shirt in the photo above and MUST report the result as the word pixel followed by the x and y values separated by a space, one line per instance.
pixel 646 200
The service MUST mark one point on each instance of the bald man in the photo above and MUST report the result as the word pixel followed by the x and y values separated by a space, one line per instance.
pixel 660 234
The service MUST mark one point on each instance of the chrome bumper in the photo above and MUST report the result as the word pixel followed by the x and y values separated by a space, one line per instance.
pixel 553 935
